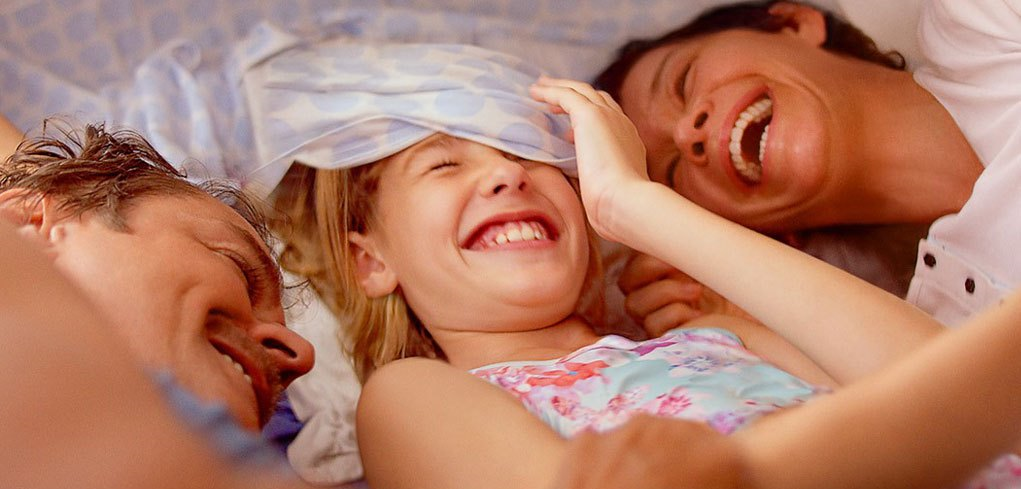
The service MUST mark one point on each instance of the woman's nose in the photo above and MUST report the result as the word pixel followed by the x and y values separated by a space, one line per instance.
pixel 691 135
pixel 504 175
pixel 292 354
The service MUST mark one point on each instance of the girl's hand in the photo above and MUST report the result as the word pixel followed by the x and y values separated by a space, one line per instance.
pixel 611 157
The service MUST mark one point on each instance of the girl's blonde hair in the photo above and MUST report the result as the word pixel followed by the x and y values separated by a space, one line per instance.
pixel 320 208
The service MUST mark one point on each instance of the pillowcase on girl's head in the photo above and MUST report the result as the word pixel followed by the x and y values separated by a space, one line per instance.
pixel 340 104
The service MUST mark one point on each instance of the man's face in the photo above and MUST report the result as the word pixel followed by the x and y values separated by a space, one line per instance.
pixel 195 292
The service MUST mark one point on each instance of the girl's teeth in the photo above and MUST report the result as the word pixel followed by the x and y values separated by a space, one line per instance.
pixel 527 233
pixel 514 232
pixel 538 231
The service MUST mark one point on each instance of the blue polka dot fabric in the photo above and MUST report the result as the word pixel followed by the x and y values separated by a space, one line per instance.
pixel 172 70
pixel 341 103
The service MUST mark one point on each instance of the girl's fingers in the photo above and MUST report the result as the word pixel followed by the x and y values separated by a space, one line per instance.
pixel 609 101
pixel 595 96
pixel 568 100
pixel 583 88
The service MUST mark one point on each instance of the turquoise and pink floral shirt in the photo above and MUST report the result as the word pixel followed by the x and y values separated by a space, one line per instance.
pixel 696 374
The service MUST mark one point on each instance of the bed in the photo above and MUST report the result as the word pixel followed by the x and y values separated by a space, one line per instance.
pixel 173 71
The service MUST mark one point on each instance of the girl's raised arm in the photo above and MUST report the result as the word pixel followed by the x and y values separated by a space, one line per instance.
pixel 849 327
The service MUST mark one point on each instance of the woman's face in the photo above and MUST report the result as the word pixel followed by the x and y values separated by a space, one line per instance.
pixel 757 127
pixel 479 240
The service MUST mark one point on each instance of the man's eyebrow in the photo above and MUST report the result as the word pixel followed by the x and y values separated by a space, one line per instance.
pixel 263 259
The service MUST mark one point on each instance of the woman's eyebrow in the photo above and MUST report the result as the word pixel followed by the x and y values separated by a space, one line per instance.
pixel 660 74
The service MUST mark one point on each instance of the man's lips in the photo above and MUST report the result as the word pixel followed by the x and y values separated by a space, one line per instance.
pixel 261 375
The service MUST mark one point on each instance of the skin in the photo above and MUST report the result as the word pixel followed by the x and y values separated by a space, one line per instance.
pixel 487 309
pixel 809 446
pixel 444 190
pixel 850 141
pixel 188 282
pixel 503 302
pixel 478 433
pixel 661 297
pixel 79 411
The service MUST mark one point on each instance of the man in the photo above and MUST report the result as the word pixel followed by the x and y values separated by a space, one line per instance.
pixel 113 260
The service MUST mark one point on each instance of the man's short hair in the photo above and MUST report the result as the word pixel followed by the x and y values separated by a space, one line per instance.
pixel 95 170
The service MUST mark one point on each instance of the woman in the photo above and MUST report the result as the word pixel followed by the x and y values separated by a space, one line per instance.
pixel 840 140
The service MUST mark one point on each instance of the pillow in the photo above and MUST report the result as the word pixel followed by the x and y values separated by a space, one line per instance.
pixel 891 24
pixel 325 450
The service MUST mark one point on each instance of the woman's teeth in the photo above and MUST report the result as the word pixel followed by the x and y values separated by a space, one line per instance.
pixel 238 367
pixel 511 232
pixel 748 140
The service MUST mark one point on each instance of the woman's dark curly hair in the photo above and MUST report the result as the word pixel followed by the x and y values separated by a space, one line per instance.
pixel 841 37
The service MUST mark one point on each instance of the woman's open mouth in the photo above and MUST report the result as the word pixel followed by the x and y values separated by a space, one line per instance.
pixel 748 140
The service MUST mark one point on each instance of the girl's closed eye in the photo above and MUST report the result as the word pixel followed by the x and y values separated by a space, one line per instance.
pixel 443 165
pixel 512 157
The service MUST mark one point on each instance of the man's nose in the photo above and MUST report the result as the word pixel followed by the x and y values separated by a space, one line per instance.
pixel 292 354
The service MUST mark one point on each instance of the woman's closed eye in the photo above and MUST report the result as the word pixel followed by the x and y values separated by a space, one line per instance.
pixel 683 82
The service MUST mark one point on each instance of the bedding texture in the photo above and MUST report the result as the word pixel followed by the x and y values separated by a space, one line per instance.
pixel 175 72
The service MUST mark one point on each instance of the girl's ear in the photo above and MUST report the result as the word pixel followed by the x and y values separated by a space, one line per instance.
pixel 802 21
pixel 36 217
pixel 376 278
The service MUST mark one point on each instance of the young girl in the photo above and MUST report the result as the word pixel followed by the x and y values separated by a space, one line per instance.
pixel 475 257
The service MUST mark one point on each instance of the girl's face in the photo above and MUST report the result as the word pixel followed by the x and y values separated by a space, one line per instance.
pixel 758 127
pixel 476 240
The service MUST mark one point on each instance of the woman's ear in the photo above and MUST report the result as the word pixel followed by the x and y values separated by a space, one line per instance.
pixel 375 276
pixel 36 216
pixel 802 21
